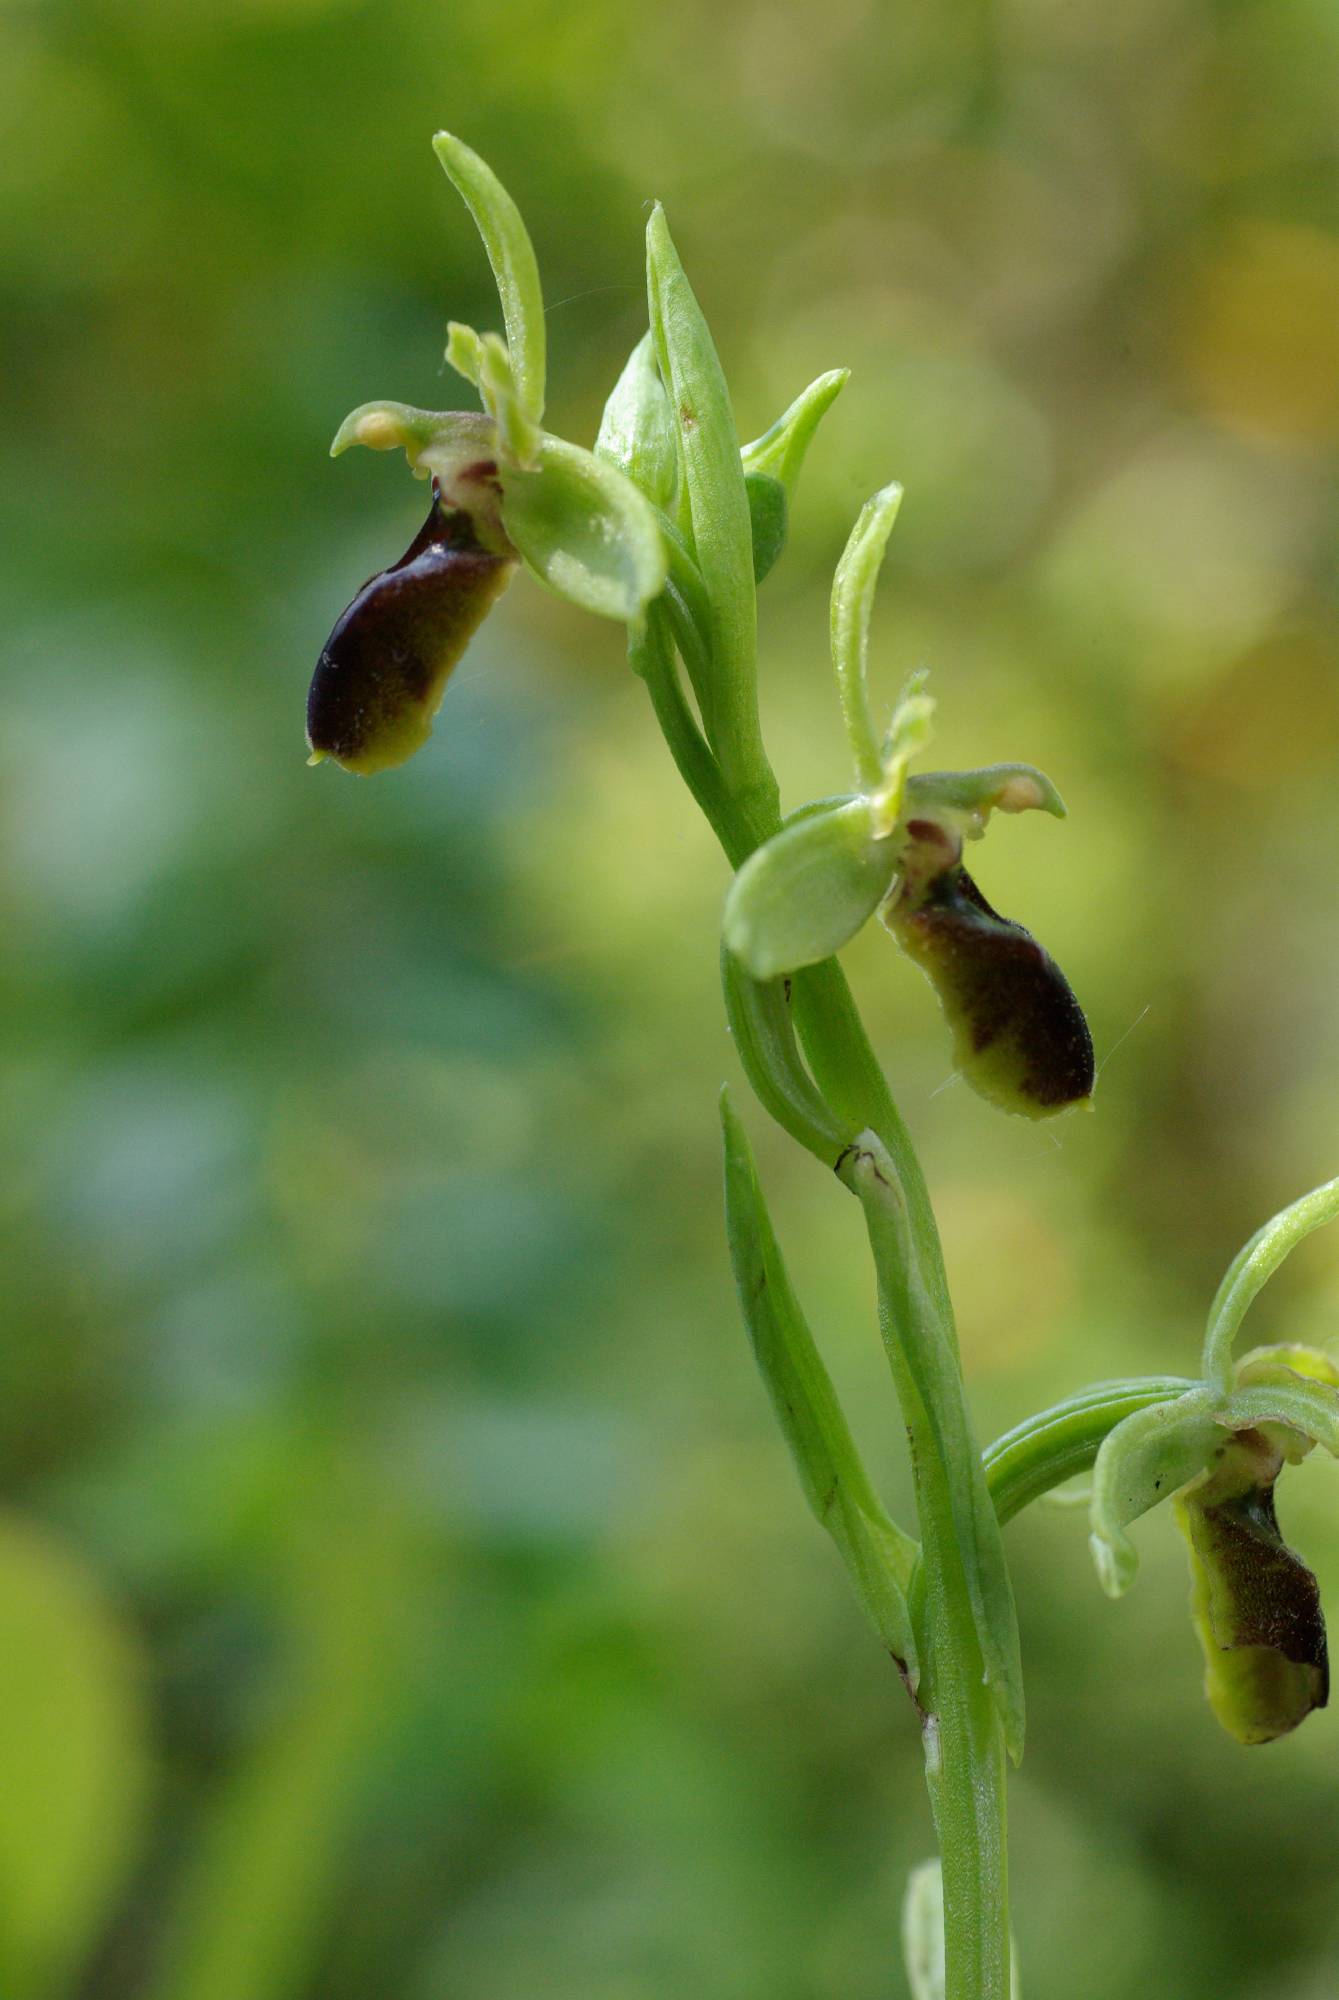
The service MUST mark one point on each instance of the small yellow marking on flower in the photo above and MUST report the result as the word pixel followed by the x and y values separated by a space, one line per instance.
pixel 379 431
pixel 1020 793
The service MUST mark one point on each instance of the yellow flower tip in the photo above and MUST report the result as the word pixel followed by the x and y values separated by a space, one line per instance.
pixel 379 431
pixel 1021 793
pixel 317 757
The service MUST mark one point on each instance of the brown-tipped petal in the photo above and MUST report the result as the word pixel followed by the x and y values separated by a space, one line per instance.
pixel 384 669
pixel 1256 1605
pixel 1019 1035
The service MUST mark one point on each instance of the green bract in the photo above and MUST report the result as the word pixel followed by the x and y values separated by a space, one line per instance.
pixel 636 430
pixel 806 893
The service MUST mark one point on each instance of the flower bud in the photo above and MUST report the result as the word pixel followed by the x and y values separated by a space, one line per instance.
pixel 1256 1604
pixel 383 671
pixel 1019 1035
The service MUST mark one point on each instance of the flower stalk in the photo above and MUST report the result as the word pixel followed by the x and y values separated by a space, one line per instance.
pixel 668 526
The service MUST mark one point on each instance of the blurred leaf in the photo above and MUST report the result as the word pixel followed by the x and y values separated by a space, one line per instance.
pixel 260 1884
pixel 72 1750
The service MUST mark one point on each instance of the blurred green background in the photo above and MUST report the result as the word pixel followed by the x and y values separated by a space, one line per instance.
pixel 403 1590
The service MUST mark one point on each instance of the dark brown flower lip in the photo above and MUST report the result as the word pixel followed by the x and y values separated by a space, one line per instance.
pixel 383 670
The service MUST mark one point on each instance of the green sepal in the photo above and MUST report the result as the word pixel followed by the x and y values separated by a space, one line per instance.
pixel 1282 1360
pixel 1256 1605
pixel 636 431
pixel 769 517
pixel 878 1555
pixel 806 892
pixel 780 451
pixel 1145 1459
pixel 578 522
pixel 512 256
pixel 1308 1409
pixel 584 530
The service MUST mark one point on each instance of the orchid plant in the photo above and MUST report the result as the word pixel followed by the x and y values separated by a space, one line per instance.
pixel 668 526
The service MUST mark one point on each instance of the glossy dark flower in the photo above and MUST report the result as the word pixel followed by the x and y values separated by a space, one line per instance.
pixel 1019 1035
pixel 383 670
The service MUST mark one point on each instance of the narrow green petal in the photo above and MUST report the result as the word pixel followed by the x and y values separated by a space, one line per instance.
pixel 853 590
pixel 1254 1265
pixel 512 256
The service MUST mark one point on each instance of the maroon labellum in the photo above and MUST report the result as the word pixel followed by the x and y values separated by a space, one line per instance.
pixel 384 669
pixel 1019 1035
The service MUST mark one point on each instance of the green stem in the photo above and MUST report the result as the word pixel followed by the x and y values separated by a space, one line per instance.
pixel 966 1776
pixel 964 1733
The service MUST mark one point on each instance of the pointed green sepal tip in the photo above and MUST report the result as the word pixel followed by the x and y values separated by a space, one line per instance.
pixel 512 256
pixel 1255 1604
pixel 383 670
